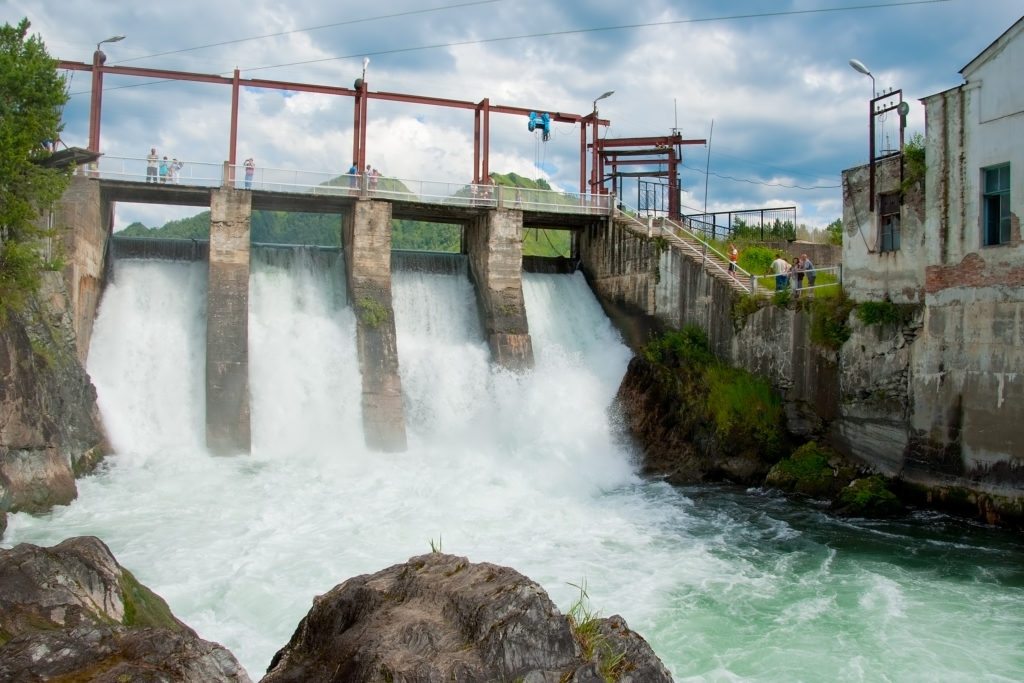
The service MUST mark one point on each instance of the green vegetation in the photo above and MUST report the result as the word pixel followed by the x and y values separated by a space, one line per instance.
pixel 742 307
pixel 742 411
pixel 143 607
pixel 829 316
pixel 30 111
pixel 914 162
pixel 808 471
pixel 372 313
pixel 835 231
pixel 869 497
pixel 435 548
pixel 280 227
pixel 775 230
pixel 586 628
pixel 885 312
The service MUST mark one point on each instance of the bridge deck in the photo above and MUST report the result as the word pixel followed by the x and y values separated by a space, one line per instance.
pixel 337 200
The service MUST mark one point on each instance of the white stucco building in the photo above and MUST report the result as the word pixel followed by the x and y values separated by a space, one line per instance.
pixel 957 250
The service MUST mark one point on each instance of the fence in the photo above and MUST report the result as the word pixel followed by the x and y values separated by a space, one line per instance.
pixel 760 224
pixel 483 195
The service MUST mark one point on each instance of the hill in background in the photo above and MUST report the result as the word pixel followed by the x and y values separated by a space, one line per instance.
pixel 280 227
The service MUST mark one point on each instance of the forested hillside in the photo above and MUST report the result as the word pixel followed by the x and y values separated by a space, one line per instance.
pixel 280 227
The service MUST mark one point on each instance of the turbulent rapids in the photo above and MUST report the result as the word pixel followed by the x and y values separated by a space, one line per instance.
pixel 529 471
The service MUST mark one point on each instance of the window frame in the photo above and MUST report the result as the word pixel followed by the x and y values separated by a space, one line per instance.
pixel 995 197
pixel 889 221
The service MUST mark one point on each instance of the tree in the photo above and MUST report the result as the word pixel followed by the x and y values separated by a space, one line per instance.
pixel 31 96
pixel 835 231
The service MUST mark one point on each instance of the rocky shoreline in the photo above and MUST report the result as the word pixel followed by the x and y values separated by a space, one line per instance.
pixel 71 612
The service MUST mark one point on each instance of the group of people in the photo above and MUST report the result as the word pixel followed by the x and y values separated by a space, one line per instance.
pixel 787 273
pixel 162 170
pixel 370 178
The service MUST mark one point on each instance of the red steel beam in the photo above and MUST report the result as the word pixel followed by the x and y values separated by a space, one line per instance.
pixel 362 95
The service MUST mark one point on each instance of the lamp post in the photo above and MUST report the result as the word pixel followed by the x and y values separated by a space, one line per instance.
pixel 607 94
pixel 859 66
pixel 595 157
pixel 98 58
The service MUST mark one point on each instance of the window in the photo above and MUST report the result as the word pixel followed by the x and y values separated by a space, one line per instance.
pixel 889 221
pixel 996 205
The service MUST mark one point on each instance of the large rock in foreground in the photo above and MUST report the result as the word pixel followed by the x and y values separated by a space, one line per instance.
pixel 71 612
pixel 440 618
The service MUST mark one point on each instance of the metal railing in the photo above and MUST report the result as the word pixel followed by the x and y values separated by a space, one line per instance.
pixel 768 282
pixel 691 242
pixel 768 223
pixel 695 242
pixel 483 195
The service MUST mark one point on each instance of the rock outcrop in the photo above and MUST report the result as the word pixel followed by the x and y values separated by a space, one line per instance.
pixel 439 617
pixel 71 612
pixel 49 422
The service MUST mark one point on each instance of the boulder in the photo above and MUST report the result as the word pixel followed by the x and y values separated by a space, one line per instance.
pixel 439 617
pixel 71 612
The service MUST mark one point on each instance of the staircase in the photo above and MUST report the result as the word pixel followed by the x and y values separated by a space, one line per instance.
pixel 694 248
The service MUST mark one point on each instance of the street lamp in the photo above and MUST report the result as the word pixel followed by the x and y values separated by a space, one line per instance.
pixel 111 39
pixel 98 58
pixel 607 94
pixel 859 66
pixel 366 63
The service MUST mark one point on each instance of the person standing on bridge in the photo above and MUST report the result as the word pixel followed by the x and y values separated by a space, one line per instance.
pixel 151 164
pixel 353 175
pixel 250 169
pixel 163 169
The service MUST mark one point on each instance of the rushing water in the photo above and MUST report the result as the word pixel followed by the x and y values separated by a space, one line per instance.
pixel 527 471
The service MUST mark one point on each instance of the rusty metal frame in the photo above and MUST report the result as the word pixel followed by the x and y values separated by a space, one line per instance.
pixel 641 151
pixel 361 96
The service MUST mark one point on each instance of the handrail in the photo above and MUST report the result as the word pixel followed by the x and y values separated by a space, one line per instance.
pixel 750 282
pixel 481 195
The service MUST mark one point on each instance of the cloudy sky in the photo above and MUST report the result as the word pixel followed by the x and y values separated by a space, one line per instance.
pixel 767 83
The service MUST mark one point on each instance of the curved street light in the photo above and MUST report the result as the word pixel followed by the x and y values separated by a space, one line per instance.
pixel 111 39
pixel 859 66
pixel 607 94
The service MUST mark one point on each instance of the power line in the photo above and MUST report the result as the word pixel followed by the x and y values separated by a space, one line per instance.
pixel 310 28
pixel 761 182
pixel 549 34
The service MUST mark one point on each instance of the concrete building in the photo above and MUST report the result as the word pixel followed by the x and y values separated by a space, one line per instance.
pixel 952 244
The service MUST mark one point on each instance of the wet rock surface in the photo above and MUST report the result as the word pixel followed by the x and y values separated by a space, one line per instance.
pixel 71 612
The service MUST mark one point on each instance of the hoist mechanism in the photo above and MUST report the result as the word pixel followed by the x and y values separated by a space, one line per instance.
pixel 542 121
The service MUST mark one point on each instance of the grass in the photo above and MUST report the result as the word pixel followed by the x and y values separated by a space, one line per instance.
pixel 585 625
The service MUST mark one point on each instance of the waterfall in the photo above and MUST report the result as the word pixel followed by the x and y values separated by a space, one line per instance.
pixel 525 470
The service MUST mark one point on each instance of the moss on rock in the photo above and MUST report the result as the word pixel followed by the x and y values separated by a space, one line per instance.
pixel 868 497
pixel 807 471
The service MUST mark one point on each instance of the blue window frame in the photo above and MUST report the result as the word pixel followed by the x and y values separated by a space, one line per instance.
pixel 996 205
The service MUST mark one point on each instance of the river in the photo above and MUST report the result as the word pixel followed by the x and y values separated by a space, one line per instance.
pixel 529 471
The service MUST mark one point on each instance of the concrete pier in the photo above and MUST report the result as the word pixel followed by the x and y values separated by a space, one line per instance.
pixel 494 242
pixel 82 220
pixel 366 243
pixel 228 429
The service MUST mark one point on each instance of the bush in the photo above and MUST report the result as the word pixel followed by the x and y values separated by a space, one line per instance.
pixel 829 317
pixel 688 346
pixel 745 410
pixel 885 312
pixel 756 260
